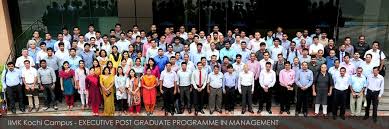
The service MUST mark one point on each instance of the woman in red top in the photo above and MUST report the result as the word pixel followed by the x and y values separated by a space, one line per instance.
pixel 92 84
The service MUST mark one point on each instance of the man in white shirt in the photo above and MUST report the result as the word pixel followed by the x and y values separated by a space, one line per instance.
pixel 91 32
pixel 20 60
pixel 81 42
pixel 378 56
pixel 41 53
pixel 62 53
pixel 29 76
pixel 105 45
pixel 212 51
pixel 266 58
pixel 123 43
pixel 238 65
pixel 66 43
pixel 199 82
pixel 254 43
pixel 374 92
pixel 316 46
pixel 367 66
pixel 340 91
pixel 168 86
pixel 152 51
pixel 267 79
pixel 276 49
pixel 215 83
pixel 246 88
pixel 184 83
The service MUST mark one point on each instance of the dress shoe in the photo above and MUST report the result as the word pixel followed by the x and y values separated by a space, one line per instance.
pixel 243 111
pixel 259 111
pixel 23 110
pixel 166 113
pixel 305 114
pixel 269 112
pixel 196 113
pixel 172 113
pixel 13 111
pixel 202 112
pixel 190 111
pixel 365 117
pixel 211 112
pixel 281 112
pixel 251 111
pixel 288 112
pixel 342 117
pixel 55 108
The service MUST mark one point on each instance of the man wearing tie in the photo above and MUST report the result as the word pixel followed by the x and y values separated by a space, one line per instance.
pixel 199 82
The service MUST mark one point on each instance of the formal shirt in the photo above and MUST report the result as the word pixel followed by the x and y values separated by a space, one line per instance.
pixel 20 61
pixel 262 63
pixel 88 58
pixel 330 61
pixel 199 79
pixel 67 45
pixel 62 55
pixel 334 71
pixel 74 62
pixel 210 53
pixel 350 68
pixel 169 54
pixel 184 77
pixel 238 67
pixel 367 68
pixel 356 62
pixel 315 48
pixel 375 83
pixel 290 54
pixel 215 80
pixel 230 53
pixel 33 53
pixel 320 61
pixel 358 83
pixel 286 77
pixel 50 43
pixel 151 52
pixel 285 43
pixel 246 79
pixel 245 55
pixel 230 80
pixel 254 44
pixel 106 47
pixel 267 78
pixel 304 78
pixel 161 61
pixel 11 78
pixel 29 74
pixel 376 57
pixel 90 35
pixel 122 45
pixel 46 76
pixel 274 51
pixel 342 82
pixel 40 55
pixel 178 47
pixel 305 59
pixel 254 67
pixel 196 56
pixel 168 78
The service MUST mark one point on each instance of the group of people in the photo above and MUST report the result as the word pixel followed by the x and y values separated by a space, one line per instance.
pixel 124 70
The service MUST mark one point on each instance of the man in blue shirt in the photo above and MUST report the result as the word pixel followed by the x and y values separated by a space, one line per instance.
pixel 11 79
pixel 87 55
pixel 49 42
pixel 304 80
pixel 73 59
pixel 161 60
pixel 227 51
pixel 358 83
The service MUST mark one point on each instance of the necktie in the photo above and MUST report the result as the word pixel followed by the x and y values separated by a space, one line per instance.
pixel 341 56
pixel 200 79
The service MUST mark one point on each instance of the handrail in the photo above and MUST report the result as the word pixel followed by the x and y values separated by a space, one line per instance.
pixel 14 45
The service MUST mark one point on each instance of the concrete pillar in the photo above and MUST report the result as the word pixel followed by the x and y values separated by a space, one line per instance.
pixel 139 12
pixel 6 32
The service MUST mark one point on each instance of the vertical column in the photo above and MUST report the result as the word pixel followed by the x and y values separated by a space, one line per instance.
pixel 137 12
pixel 6 32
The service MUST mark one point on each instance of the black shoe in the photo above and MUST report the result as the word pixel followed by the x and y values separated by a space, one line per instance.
pixel 281 112
pixel 202 112
pixel 243 111
pixel 269 112
pixel 190 111
pixel 288 112
pixel 305 114
pixel 211 112
pixel 23 110
pixel 166 113
pixel 220 111
pixel 251 111
pixel 46 108
pixel 259 111
pixel 13 111
pixel 172 113
pixel 365 117
pixel 342 117
pixel 196 113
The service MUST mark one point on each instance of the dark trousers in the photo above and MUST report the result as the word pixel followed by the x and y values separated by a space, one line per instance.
pixel 230 98
pixel 265 98
pixel 198 101
pixel 256 95
pixel 302 100
pixel 12 91
pixel 339 101
pixel 285 97
pixel 57 90
pixel 49 95
pixel 247 98
pixel 168 99
pixel 185 96
pixel 372 97
pixel 123 105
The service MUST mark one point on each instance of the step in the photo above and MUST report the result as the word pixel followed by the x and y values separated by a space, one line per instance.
pixel 384 100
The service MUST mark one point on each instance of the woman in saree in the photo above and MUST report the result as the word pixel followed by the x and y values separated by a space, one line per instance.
pixel 112 70
pixel 133 86
pixel 92 85
pixel 107 89
pixel 96 67
pixel 103 58
pixel 115 57
pixel 149 92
